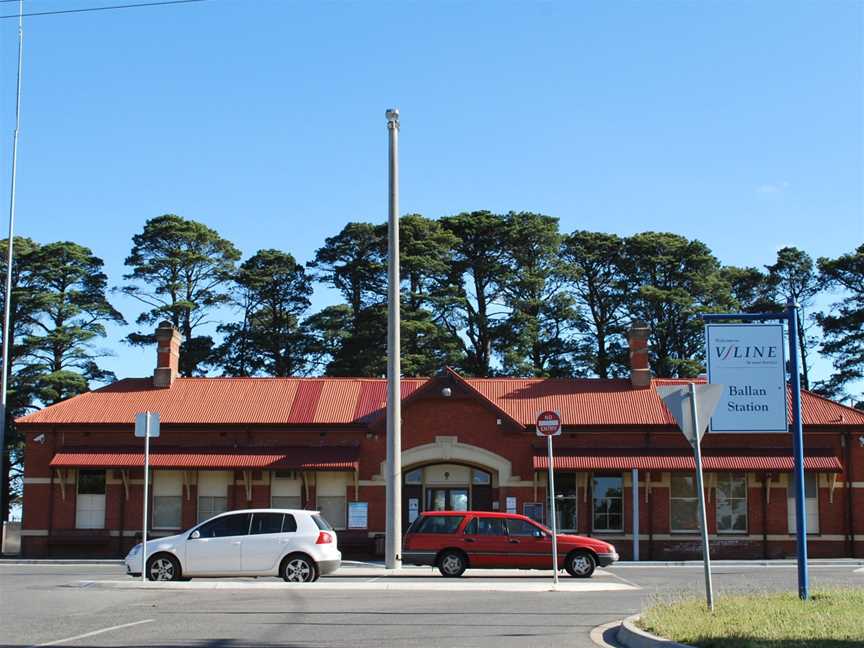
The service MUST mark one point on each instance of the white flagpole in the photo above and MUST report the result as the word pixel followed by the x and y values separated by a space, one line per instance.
pixel 7 308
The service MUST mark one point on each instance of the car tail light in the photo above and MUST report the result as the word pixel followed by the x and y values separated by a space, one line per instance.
pixel 324 538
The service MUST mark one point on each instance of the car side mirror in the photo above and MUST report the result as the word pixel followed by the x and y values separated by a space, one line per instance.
pixel 538 534
pixel 195 535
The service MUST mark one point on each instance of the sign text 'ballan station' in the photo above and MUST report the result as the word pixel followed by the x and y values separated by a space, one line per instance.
pixel 748 360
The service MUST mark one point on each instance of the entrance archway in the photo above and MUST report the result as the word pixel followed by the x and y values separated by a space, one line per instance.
pixel 445 487
pixel 448 450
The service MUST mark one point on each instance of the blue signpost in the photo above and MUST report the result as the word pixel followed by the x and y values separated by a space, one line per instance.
pixel 791 319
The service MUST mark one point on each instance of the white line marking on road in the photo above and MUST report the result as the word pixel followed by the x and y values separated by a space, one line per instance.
pixel 95 632
pixel 623 580
pixel 438 585
pixel 859 571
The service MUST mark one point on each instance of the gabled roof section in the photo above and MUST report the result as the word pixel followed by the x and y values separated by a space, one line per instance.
pixel 494 404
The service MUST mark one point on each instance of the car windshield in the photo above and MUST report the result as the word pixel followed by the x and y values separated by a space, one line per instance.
pixel 542 527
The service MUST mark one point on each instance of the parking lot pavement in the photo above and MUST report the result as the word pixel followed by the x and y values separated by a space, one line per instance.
pixel 372 577
pixel 39 607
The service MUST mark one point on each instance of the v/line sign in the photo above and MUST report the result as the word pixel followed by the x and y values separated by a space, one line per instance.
pixel 749 359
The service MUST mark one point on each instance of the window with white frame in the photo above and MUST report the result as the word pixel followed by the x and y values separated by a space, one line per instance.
pixel 212 493
pixel 683 503
pixel 811 502
pixel 286 487
pixel 90 500
pixel 167 499
pixel 731 493
pixel 330 493
pixel 607 503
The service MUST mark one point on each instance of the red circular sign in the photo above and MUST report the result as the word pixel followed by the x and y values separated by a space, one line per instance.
pixel 548 423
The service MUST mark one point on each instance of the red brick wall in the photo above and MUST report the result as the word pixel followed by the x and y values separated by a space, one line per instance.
pixel 473 423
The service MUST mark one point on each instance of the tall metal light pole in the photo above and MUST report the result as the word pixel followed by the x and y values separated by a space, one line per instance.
pixel 393 538
pixel 7 307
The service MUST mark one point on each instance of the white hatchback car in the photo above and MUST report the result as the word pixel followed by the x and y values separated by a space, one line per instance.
pixel 297 545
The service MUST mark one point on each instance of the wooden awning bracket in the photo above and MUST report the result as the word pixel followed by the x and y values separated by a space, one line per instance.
pixel 247 483
pixel 190 478
pixel 833 486
pixel 356 484
pixel 61 479
pixel 124 476
pixel 305 479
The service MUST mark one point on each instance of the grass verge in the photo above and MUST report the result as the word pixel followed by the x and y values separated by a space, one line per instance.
pixel 832 618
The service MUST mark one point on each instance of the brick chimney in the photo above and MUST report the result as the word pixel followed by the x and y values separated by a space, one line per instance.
pixel 167 355
pixel 640 370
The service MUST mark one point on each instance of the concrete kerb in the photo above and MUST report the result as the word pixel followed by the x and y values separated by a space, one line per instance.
pixel 605 635
pixel 631 636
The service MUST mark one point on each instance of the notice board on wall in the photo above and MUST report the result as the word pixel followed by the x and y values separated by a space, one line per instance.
pixel 358 515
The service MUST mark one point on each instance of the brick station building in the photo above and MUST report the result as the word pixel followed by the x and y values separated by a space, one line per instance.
pixel 229 443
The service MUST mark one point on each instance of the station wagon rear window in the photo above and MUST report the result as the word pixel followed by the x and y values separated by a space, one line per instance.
pixel 322 523
pixel 439 524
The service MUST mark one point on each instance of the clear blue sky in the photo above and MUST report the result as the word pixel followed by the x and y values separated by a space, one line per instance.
pixel 737 123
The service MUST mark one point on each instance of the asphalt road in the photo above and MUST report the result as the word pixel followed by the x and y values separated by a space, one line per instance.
pixel 48 605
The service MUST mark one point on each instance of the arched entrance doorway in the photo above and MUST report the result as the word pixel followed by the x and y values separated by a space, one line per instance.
pixel 445 487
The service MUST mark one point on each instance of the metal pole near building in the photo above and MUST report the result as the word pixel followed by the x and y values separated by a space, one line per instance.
pixel 552 513
pixel 634 477
pixel 393 537
pixel 700 489
pixel 791 318
pixel 146 484
pixel 7 307
pixel 798 449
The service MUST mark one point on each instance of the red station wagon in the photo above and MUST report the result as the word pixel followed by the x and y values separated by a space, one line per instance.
pixel 453 541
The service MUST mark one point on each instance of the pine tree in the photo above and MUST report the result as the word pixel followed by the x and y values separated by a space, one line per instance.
pixel 181 270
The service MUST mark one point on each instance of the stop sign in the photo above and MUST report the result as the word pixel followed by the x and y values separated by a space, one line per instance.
pixel 548 424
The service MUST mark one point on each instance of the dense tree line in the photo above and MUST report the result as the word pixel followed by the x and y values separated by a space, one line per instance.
pixel 490 294
pixel 59 310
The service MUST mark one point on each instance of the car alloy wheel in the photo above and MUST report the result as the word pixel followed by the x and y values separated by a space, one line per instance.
pixel 299 570
pixel 162 568
pixel 451 564
pixel 581 565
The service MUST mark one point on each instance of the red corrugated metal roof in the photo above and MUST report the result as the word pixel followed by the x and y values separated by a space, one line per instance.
pixel 351 401
pixel 252 401
pixel 315 458
pixel 583 401
pixel 593 402
pixel 743 460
